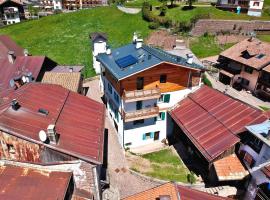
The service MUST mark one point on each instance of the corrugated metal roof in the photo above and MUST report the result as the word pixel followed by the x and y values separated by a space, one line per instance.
pixel 173 191
pixel 212 120
pixel 21 66
pixel 7 44
pixel 32 184
pixel 147 57
pixel 79 120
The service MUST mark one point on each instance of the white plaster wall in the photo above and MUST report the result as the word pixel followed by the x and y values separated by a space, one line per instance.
pixel 131 106
pixel 57 4
pixel 251 5
pixel 264 155
pixel 98 47
pixel 248 149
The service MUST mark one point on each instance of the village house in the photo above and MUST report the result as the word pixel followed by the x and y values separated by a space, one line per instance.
pixel 172 191
pixel 81 4
pixel 246 65
pixel 258 186
pixel 17 67
pixel 51 4
pixel 207 123
pixel 11 11
pixel 32 182
pixel 251 7
pixel 140 83
pixel 49 125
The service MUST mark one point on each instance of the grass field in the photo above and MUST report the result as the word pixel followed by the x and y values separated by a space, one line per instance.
pixel 65 37
pixel 177 14
pixel 206 46
pixel 163 165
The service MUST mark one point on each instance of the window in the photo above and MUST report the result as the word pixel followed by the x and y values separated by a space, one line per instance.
pixel 128 144
pixel 162 115
pixel 245 82
pixel 116 97
pixel 138 105
pixel 161 98
pixel 260 56
pixel 163 78
pixel 147 136
pixel 11 148
pixel 167 98
pixel 116 115
pixel 141 121
pixel 248 69
pixel 256 4
pixel 110 88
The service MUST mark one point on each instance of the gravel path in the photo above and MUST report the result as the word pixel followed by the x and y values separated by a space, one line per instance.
pixel 129 10
pixel 122 182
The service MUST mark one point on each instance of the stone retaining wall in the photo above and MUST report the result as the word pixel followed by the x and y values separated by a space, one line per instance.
pixel 233 26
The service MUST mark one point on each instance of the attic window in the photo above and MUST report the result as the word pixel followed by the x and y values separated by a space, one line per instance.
pixel 11 148
pixel 43 111
pixel 261 55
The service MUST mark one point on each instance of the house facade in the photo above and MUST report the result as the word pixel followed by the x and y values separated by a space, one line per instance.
pixel 245 66
pixel 140 84
pixel 11 11
pixel 251 7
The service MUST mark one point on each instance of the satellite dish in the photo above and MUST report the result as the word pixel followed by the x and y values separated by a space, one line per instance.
pixel 42 136
pixel 12 83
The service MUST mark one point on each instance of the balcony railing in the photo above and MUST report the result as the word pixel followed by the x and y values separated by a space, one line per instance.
pixel 140 114
pixel 139 95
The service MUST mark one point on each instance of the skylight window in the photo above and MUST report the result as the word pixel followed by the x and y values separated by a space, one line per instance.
pixel 260 56
pixel 126 61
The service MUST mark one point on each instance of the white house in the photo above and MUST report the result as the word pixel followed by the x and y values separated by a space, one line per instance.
pixel 140 83
pixel 255 8
pixel 11 15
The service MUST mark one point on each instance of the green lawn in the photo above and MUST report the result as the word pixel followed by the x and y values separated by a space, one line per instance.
pixel 65 37
pixel 205 46
pixel 138 3
pixel 265 38
pixel 264 108
pixel 179 15
pixel 167 166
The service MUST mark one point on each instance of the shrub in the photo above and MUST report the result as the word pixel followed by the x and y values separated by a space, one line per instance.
pixel 191 178
pixel 206 81
pixel 153 25
pixel 163 10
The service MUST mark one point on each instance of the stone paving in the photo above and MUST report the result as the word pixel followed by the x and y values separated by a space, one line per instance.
pixel 122 182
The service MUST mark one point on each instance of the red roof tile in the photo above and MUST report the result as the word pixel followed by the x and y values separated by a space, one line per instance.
pixel 79 120
pixel 211 120
pixel 32 184
pixel 173 191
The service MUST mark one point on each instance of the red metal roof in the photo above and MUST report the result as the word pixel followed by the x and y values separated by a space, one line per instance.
pixel 32 184
pixel 212 120
pixel 21 66
pixel 7 44
pixel 79 120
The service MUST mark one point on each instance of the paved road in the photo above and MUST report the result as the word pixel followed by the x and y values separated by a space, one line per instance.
pixel 122 182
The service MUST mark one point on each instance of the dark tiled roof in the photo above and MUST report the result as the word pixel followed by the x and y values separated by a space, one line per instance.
pixel 67 68
pixel 211 120
pixel 97 35
pixel 147 57
pixel 79 120
pixel 32 184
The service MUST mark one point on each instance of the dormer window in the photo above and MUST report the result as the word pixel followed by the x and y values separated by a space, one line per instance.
pixel 246 55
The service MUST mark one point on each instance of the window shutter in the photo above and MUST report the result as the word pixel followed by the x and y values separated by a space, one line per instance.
pixel 144 137
pixel 152 135
pixel 162 115
pixel 167 98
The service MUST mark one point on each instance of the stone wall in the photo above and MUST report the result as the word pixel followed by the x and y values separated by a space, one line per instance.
pixel 233 26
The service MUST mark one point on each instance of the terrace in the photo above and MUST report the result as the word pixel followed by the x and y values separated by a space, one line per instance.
pixel 139 95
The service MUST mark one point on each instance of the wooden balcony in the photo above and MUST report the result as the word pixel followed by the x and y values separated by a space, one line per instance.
pixel 139 95
pixel 141 114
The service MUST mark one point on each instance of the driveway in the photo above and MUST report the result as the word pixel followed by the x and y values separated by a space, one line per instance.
pixel 122 182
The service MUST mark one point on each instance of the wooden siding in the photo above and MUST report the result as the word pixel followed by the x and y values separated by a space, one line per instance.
pixel 177 78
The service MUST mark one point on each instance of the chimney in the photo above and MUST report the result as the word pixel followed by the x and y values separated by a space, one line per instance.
pixel 135 37
pixel 139 43
pixel 108 51
pixel 70 69
pixel 190 58
pixel 15 104
pixel 52 135
pixel 11 57
pixel 25 52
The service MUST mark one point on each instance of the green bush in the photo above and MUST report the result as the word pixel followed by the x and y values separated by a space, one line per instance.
pixel 206 81
pixel 191 178
pixel 153 25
